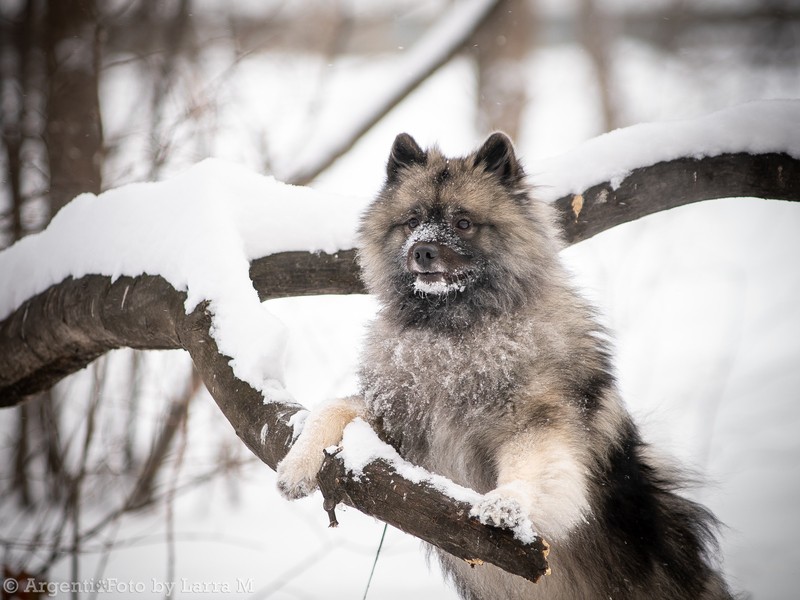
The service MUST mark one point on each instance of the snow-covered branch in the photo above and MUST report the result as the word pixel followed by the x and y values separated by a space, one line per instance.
pixel 678 182
pixel 645 191
pixel 29 364
pixel 185 263
pixel 76 321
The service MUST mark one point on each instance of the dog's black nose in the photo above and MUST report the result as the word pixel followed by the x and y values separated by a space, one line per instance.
pixel 425 254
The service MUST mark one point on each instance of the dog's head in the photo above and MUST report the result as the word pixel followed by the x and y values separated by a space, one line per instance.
pixel 448 239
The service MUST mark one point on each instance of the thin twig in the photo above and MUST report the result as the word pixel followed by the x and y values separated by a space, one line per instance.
pixel 375 562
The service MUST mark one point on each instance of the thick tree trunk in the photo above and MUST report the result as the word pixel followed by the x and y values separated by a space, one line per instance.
pixel 501 47
pixel 73 132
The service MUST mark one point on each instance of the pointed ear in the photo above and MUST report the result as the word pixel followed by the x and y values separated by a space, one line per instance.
pixel 497 156
pixel 405 152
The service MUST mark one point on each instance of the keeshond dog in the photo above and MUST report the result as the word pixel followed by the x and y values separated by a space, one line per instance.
pixel 485 365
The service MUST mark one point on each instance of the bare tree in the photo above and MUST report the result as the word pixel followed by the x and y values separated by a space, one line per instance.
pixel 73 132
pixel 501 48
pixel 595 36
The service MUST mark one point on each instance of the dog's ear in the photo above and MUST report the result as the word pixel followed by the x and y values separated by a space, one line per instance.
pixel 405 152
pixel 497 156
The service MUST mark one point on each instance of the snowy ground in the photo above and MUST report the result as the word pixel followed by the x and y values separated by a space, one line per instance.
pixel 702 301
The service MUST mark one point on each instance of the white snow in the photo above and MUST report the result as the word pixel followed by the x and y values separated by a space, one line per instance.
pixel 438 288
pixel 297 421
pixel 198 230
pixel 755 127
pixel 493 510
pixel 361 445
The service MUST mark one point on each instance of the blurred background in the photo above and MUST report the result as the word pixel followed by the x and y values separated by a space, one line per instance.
pixel 127 470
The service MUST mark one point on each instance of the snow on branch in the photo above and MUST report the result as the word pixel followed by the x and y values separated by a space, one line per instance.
pixel 185 263
pixel 678 182
pixel 79 319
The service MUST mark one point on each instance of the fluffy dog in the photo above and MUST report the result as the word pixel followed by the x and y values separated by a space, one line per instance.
pixel 484 365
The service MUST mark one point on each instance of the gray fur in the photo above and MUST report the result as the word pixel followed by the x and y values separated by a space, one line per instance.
pixel 512 350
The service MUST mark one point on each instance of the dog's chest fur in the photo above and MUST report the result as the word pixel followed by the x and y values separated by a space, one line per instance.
pixel 447 400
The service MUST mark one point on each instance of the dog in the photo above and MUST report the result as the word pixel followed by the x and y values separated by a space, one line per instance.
pixel 485 365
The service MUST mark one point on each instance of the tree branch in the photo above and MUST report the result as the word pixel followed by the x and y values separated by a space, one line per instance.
pixel 98 315
pixel 674 183
pixel 644 192
pixel 64 328
pixel 54 334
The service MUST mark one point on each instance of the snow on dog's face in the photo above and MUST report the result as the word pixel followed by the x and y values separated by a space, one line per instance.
pixel 449 239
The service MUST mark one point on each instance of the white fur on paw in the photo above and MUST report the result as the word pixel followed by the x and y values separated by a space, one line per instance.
pixel 499 511
pixel 297 473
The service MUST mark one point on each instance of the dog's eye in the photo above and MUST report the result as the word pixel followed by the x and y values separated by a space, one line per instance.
pixel 413 223
pixel 463 224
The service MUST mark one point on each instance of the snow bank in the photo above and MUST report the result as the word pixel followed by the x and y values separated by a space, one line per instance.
pixel 755 128
pixel 199 231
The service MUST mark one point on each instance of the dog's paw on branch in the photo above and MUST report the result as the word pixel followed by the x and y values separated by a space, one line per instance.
pixel 426 512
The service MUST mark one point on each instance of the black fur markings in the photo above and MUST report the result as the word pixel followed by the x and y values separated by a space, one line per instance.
pixel 630 506
pixel 653 526
pixel 436 215
pixel 442 176
pixel 589 391
pixel 405 152
pixel 497 156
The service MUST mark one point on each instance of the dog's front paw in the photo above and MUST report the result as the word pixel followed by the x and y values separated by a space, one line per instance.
pixel 297 473
pixel 498 510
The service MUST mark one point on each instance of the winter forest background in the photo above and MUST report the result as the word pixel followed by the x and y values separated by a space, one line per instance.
pixel 702 300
